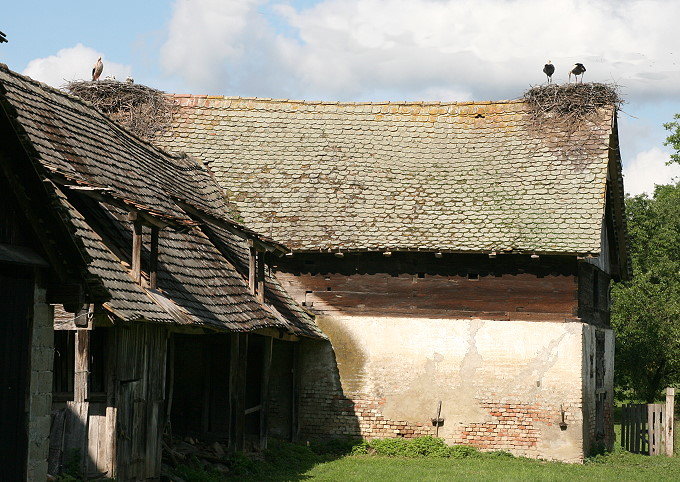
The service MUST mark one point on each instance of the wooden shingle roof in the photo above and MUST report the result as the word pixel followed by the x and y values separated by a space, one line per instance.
pixel 98 172
pixel 459 177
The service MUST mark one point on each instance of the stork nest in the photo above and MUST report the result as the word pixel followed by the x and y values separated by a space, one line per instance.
pixel 571 102
pixel 144 111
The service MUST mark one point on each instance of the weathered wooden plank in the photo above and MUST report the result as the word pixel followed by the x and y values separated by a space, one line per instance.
pixel 237 390
pixel 518 296
pixel 82 365
pixel 137 250
pixel 264 391
pixel 75 432
pixel 669 429
pixel 259 287
pixel 153 258
pixel 55 455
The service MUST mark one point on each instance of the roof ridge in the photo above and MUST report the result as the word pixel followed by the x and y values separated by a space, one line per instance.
pixel 342 103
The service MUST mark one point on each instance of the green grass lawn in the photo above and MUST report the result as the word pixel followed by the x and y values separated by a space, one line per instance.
pixel 287 462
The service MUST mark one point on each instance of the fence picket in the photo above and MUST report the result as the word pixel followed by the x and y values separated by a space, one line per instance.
pixel 645 428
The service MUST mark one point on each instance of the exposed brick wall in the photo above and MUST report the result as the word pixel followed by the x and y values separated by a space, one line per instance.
pixel 514 426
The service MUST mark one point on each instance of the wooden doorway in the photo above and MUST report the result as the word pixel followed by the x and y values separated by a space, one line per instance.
pixel 16 306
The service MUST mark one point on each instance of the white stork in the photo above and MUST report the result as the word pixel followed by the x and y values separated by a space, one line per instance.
pixel 577 70
pixel 97 69
pixel 549 70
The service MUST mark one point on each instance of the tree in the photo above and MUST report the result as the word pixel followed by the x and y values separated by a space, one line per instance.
pixel 673 140
pixel 646 309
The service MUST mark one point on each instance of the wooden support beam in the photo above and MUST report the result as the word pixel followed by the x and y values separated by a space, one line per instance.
pixel 237 391
pixel 153 261
pixel 137 249
pixel 264 390
pixel 82 365
pixel 259 277
pixel 252 269
pixel 295 396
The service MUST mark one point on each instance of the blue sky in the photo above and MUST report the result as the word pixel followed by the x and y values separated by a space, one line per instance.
pixel 362 50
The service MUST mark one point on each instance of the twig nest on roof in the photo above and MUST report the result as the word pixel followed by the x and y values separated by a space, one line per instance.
pixel 571 101
pixel 144 111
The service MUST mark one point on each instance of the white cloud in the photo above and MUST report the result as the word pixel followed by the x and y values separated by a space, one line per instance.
pixel 355 49
pixel 74 63
pixel 647 169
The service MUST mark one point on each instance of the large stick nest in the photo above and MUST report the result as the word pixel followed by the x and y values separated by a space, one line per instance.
pixel 145 111
pixel 571 102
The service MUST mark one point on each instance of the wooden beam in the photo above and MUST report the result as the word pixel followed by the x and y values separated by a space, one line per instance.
pixel 252 269
pixel 264 391
pixel 82 365
pixel 259 277
pixel 137 249
pixel 153 261
pixel 237 391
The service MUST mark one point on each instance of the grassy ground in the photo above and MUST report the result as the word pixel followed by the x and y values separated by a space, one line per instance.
pixel 286 462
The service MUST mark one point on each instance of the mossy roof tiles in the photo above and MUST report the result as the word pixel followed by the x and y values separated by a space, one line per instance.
pixel 463 177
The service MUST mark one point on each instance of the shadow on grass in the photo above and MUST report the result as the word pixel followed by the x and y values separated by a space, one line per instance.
pixel 282 461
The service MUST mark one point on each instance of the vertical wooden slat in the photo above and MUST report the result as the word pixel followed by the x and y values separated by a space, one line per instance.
pixel 82 365
pixel 669 421
pixel 237 390
pixel 137 250
pixel 252 267
pixel 264 391
pixel 153 260
pixel 638 441
pixel 650 428
pixel 259 288
pixel 624 427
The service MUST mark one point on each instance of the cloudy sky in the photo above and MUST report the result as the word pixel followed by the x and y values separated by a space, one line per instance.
pixel 363 50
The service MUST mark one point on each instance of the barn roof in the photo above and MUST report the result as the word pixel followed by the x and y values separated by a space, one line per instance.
pixel 433 176
pixel 98 172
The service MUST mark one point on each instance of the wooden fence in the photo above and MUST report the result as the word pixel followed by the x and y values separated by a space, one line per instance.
pixel 648 429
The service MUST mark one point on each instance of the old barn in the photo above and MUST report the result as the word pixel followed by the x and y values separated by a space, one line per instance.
pixel 457 255
pixel 132 305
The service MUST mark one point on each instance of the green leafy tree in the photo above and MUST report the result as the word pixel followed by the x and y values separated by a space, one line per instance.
pixel 646 309
pixel 673 139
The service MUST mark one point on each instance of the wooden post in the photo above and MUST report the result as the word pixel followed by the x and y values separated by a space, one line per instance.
pixel 259 288
pixel 76 430
pixel 237 390
pixel 153 260
pixel 136 248
pixel 252 268
pixel 669 420
pixel 264 391
pixel 82 365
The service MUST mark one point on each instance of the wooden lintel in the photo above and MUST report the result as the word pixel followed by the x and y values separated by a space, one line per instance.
pixel 277 334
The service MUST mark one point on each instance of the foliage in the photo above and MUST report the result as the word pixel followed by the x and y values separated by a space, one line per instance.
pixel 426 446
pixel 673 139
pixel 646 309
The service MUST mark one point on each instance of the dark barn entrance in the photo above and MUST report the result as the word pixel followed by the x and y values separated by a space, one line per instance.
pixel 16 301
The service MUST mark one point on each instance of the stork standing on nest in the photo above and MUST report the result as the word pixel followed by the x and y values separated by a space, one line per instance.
pixel 577 70
pixel 549 69
pixel 97 69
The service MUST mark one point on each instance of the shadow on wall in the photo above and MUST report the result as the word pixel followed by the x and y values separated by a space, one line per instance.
pixel 326 412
